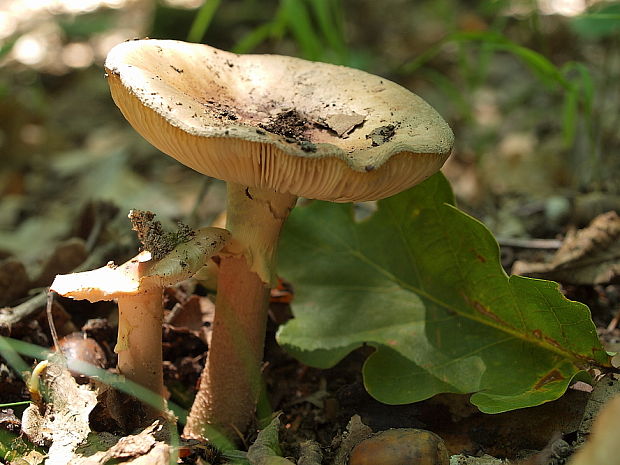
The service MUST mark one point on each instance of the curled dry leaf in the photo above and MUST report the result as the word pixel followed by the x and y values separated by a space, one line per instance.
pixel 587 256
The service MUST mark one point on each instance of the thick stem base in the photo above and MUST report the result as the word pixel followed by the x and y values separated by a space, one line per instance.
pixel 230 383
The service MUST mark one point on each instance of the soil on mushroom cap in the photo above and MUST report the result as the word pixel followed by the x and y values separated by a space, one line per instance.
pixel 293 126
pixel 221 110
pixel 381 135
pixel 152 236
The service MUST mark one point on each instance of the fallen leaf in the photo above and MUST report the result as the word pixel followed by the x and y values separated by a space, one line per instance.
pixel 343 124
pixel 66 256
pixel 422 283
pixel 145 448
pixel 587 256
pixel 266 448
pixel 14 281
pixel 63 421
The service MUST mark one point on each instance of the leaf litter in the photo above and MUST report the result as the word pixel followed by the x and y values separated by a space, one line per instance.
pixel 588 256
pixel 443 316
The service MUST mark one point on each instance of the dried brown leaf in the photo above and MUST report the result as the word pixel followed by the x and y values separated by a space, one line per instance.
pixel 63 422
pixel 342 124
pixel 587 256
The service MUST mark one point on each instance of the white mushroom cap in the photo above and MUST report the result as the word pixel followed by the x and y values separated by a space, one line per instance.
pixel 358 136
pixel 141 274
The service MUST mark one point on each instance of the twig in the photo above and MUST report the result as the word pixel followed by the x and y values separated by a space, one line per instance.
pixel 550 244
pixel 50 319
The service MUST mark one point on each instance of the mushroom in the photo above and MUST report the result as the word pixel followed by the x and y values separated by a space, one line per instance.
pixel 137 286
pixel 274 128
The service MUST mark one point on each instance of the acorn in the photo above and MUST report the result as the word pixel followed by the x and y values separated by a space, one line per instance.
pixel 401 447
pixel 77 346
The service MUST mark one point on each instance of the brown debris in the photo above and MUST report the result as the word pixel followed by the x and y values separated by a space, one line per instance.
pixel 221 110
pixel 14 281
pixel 381 135
pixel 288 123
pixel 343 124
pixel 63 420
pixel 66 257
pixel 587 256
pixel 152 236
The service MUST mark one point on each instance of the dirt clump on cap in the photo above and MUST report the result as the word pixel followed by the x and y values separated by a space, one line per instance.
pixel 152 236
pixel 293 126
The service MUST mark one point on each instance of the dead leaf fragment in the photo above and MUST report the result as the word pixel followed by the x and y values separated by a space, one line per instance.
pixel 356 432
pixel 145 448
pixel 67 256
pixel 343 124
pixel 587 256
pixel 64 420
pixel 14 281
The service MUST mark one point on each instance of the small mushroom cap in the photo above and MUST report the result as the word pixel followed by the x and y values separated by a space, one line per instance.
pixel 141 274
pixel 309 129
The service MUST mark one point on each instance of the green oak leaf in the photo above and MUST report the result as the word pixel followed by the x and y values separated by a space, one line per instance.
pixel 422 282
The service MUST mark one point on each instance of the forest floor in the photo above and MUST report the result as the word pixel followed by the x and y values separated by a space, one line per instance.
pixel 71 171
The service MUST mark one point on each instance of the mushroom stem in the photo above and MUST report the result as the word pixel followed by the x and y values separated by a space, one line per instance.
pixel 230 383
pixel 139 345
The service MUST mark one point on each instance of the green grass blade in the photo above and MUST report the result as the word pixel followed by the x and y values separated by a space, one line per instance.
pixel 253 38
pixel 202 21
pixel 299 22
pixel 15 404
pixel 546 71
pixel 328 24
pixel 569 117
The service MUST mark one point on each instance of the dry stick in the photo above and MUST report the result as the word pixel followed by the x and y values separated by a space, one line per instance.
pixel 50 319
pixel 530 243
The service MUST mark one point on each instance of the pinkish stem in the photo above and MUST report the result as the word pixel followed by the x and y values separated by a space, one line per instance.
pixel 230 382
pixel 139 345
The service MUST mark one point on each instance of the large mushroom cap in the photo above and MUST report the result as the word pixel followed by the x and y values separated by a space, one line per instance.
pixel 309 129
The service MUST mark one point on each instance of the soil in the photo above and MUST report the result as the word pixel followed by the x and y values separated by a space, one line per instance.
pixel 293 126
pixel 381 135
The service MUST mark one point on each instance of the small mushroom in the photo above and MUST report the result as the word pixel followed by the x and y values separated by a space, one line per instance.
pixel 260 126
pixel 401 447
pixel 137 286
